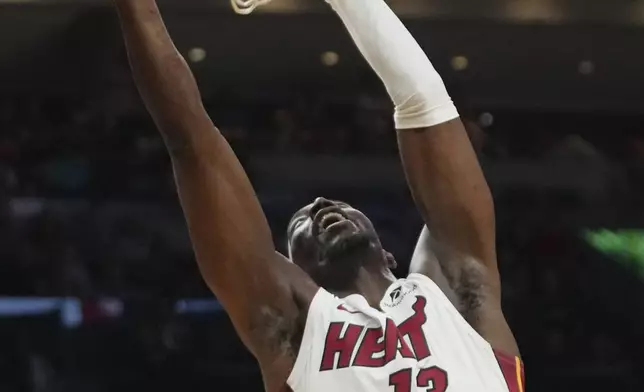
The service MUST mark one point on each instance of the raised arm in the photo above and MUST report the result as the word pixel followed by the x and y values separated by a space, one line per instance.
pixel 454 199
pixel 442 170
pixel 264 294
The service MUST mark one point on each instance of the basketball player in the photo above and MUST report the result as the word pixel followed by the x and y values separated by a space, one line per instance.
pixel 331 316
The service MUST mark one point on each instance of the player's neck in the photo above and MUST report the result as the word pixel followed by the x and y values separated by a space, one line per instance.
pixel 371 284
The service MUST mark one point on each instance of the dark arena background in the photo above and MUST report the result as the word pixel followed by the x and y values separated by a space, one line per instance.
pixel 99 290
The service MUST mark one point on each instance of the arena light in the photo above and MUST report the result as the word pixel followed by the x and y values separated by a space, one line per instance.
pixel 586 67
pixel 460 63
pixel 486 119
pixel 330 58
pixel 197 55
pixel 535 10
pixel 625 246
pixel 636 14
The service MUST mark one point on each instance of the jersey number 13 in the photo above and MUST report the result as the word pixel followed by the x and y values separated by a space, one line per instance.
pixel 434 379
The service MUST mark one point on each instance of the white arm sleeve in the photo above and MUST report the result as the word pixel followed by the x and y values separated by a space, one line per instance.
pixel 416 89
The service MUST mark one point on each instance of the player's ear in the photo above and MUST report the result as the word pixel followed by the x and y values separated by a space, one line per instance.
pixel 391 261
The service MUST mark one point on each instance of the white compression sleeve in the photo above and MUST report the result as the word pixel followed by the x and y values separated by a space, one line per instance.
pixel 416 89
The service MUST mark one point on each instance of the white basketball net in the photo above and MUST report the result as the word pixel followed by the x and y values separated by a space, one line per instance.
pixel 245 7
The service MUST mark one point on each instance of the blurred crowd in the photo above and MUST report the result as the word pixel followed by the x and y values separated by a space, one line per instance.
pixel 88 210
pixel 61 146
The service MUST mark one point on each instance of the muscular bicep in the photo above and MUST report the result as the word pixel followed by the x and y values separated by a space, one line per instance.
pixel 232 240
pixel 449 188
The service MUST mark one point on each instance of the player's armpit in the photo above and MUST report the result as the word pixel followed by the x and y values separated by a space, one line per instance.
pixel 449 188
pixel 458 275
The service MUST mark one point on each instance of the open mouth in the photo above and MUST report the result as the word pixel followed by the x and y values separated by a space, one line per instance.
pixel 330 219
pixel 326 219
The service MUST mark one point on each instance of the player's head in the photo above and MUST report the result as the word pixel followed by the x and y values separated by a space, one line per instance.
pixel 332 241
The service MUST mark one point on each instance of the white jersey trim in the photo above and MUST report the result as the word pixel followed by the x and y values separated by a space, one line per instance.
pixel 303 359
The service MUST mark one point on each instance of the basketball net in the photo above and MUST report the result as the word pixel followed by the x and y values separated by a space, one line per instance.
pixel 245 7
